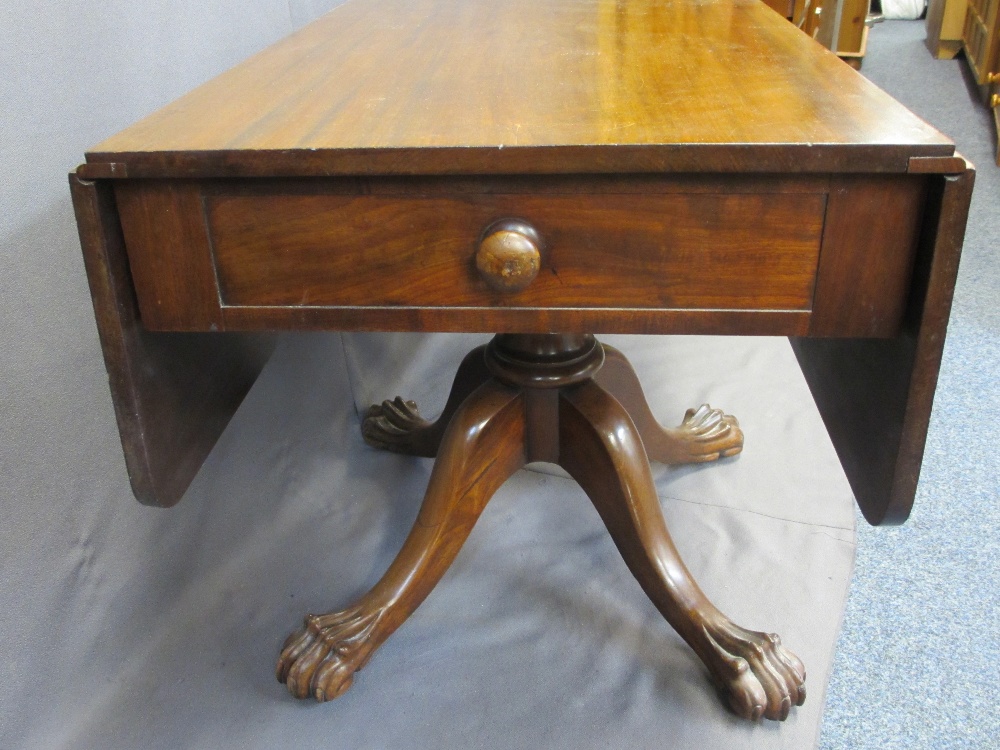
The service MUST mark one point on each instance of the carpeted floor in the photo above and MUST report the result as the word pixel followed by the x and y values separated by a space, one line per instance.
pixel 918 662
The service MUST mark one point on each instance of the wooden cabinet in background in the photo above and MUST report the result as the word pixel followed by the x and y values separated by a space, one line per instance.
pixel 852 33
pixel 981 40
pixel 945 20
pixel 819 19
pixel 972 26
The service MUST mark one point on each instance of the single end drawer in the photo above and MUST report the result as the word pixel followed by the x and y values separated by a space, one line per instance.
pixel 675 251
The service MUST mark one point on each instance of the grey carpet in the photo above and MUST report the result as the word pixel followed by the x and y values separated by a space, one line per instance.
pixel 918 662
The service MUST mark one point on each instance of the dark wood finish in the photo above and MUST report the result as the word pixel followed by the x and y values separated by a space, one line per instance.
pixel 871 230
pixel 544 403
pixel 544 360
pixel 668 250
pixel 509 255
pixel 510 320
pixel 174 279
pixel 672 251
pixel 482 447
pixel 519 86
pixel 705 434
pixel 475 308
pixel 691 167
pixel 601 449
pixel 937 165
pixel 876 396
pixel 419 253
pixel 397 425
pixel 173 393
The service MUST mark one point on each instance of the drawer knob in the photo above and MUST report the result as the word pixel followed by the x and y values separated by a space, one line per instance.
pixel 509 255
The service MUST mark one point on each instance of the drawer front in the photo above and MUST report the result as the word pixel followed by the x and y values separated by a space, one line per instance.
pixel 677 251
pixel 752 255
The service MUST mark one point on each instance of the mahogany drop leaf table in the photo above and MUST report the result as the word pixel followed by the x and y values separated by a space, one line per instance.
pixel 546 172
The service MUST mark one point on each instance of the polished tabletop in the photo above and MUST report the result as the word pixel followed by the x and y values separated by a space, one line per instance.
pixel 520 106
pixel 528 86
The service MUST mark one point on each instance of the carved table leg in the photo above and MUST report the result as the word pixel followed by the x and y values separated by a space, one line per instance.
pixel 397 425
pixel 482 446
pixel 602 450
pixel 706 434
pixel 566 399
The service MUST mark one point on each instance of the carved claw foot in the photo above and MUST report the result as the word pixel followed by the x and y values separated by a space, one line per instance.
pixel 758 676
pixel 482 447
pixel 602 450
pixel 321 658
pixel 706 434
pixel 392 425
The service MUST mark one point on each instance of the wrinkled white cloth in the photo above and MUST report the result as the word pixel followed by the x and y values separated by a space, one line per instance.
pixel 903 10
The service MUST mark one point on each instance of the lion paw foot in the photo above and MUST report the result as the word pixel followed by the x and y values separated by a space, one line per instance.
pixel 321 658
pixel 759 677
pixel 391 425
pixel 707 434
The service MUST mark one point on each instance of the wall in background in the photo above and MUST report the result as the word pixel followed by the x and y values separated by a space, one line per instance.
pixel 71 74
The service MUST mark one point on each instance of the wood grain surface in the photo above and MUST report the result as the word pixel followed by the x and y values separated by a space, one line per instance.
pixel 175 282
pixel 640 254
pixel 662 251
pixel 173 393
pixel 523 107
pixel 509 86
pixel 869 242
pixel 875 396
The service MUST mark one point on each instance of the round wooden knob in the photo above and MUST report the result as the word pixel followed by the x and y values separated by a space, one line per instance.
pixel 509 255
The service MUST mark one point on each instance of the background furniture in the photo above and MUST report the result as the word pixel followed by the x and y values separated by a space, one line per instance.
pixel 945 23
pixel 974 26
pixel 836 24
pixel 981 41
pixel 839 25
